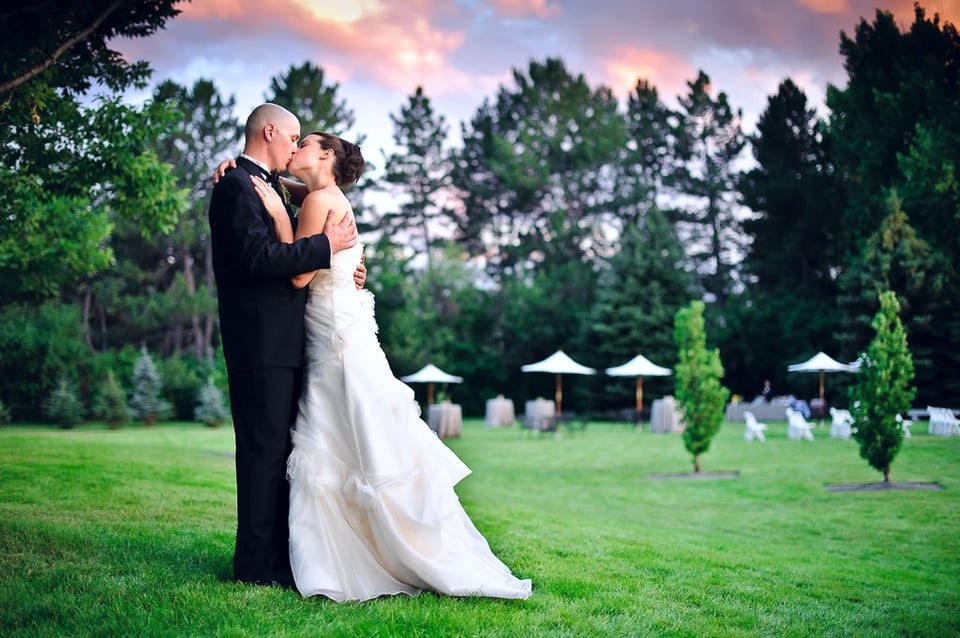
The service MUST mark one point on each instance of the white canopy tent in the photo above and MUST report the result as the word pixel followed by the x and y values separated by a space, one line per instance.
pixel 559 363
pixel 431 374
pixel 639 367
pixel 821 363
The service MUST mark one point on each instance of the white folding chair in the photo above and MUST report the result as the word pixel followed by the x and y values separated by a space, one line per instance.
pixel 905 426
pixel 942 422
pixel 840 424
pixel 798 427
pixel 754 429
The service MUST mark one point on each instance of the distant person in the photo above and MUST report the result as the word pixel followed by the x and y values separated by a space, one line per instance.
pixel 767 392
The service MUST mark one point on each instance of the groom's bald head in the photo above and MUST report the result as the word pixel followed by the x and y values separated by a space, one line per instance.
pixel 271 135
pixel 268 114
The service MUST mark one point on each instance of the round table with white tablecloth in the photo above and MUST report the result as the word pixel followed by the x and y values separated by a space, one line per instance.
pixel 664 416
pixel 445 419
pixel 537 412
pixel 499 412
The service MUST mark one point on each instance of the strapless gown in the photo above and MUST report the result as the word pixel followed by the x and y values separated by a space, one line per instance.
pixel 373 509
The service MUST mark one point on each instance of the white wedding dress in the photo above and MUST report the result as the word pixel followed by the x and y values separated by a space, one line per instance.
pixel 373 511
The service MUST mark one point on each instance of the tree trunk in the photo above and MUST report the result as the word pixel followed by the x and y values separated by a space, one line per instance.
pixel 87 302
pixel 212 291
pixel 886 474
pixel 102 315
pixel 696 464
pixel 426 239
pixel 198 343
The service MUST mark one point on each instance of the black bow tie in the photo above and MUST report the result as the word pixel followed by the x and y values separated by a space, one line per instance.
pixel 273 178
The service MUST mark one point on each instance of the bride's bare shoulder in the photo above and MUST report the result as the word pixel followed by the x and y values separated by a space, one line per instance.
pixel 316 197
pixel 326 200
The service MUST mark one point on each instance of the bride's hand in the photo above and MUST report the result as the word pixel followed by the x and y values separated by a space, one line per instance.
pixel 360 274
pixel 270 198
pixel 222 169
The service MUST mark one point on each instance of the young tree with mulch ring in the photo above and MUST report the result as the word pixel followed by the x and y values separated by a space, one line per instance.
pixel 700 395
pixel 883 389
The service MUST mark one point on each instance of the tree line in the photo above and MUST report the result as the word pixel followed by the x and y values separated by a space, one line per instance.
pixel 565 219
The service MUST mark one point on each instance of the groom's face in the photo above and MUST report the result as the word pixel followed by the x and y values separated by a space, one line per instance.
pixel 283 143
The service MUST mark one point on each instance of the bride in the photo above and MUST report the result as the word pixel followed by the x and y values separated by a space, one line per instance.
pixel 373 509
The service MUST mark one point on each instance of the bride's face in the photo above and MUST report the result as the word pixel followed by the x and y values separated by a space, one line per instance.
pixel 309 156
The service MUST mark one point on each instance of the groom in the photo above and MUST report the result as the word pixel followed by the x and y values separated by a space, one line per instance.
pixel 262 332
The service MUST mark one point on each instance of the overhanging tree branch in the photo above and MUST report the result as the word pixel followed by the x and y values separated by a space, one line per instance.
pixel 18 10
pixel 10 85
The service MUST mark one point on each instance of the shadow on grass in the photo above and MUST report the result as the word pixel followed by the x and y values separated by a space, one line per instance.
pixel 696 475
pixel 881 487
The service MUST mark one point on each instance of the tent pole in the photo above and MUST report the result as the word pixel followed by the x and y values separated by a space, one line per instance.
pixel 639 396
pixel 559 394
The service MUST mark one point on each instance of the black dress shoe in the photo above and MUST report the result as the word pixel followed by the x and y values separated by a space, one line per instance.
pixel 260 582
pixel 285 578
pixel 265 583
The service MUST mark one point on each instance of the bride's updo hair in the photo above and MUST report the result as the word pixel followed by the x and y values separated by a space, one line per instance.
pixel 350 162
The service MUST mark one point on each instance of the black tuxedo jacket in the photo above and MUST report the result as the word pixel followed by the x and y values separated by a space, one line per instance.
pixel 261 314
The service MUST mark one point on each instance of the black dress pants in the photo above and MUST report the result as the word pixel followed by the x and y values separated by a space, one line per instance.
pixel 264 403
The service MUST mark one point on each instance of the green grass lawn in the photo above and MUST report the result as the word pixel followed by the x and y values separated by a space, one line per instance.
pixel 130 532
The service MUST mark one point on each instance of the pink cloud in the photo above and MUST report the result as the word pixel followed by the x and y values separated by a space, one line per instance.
pixel 397 50
pixel 519 8
pixel 462 52
pixel 217 10
pixel 902 10
pixel 668 72
pixel 826 6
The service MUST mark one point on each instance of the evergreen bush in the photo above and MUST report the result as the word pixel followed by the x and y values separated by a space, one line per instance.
pixel 211 409
pixel 700 395
pixel 182 381
pixel 110 403
pixel 147 404
pixel 883 389
pixel 38 344
pixel 63 405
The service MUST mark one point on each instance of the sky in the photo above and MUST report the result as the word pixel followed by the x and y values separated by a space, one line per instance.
pixel 462 51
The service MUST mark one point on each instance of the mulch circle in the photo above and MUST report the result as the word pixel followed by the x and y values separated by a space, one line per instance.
pixel 881 487
pixel 696 475
pixel 849 487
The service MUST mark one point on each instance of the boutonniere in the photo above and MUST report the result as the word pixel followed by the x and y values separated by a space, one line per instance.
pixel 285 193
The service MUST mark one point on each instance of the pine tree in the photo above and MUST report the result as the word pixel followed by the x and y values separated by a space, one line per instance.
pixel 419 173
pixel 111 403
pixel 640 293
pixel 211 409
pixel 895 258
pixel 63 406
pixel 704 179
pixel 147 405
pixel 305 92
pixel 700 396
pixel 883 390
pixel 796 202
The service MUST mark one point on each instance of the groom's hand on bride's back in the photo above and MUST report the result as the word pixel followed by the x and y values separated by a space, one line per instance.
pixel 341 235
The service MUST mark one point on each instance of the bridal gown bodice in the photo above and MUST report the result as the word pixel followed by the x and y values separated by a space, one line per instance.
pixel 373 509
